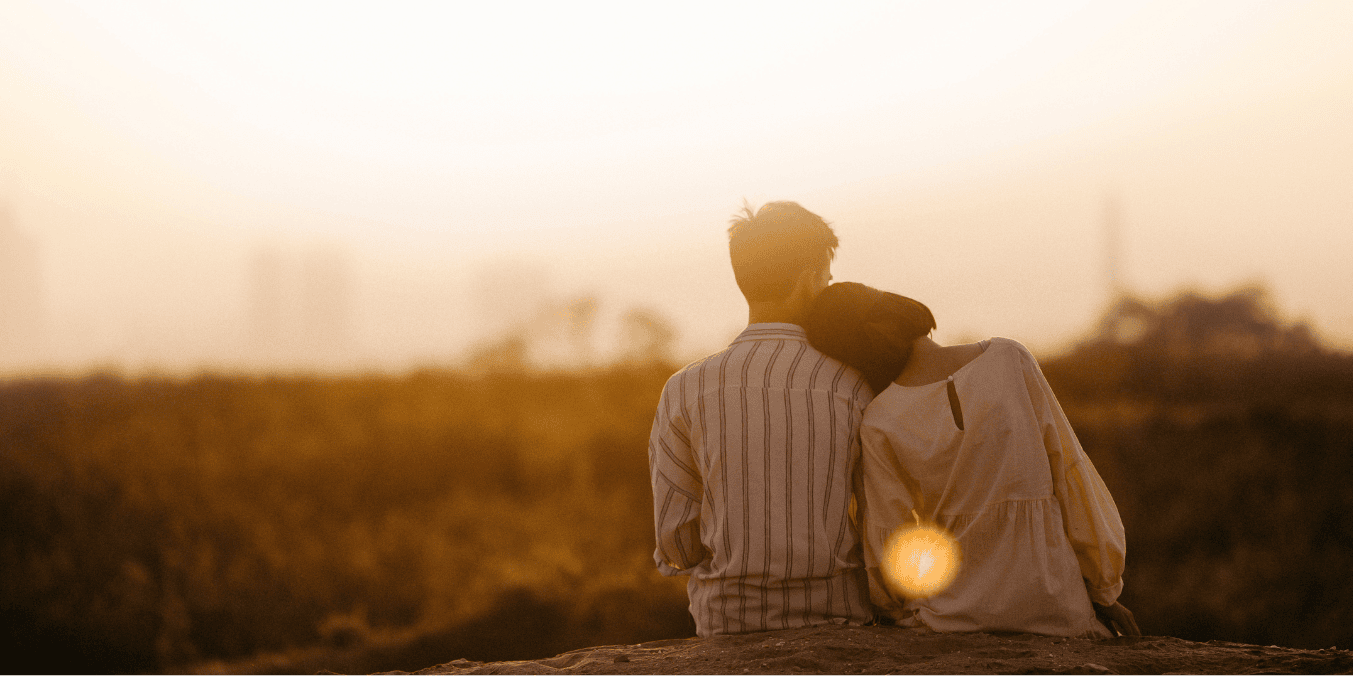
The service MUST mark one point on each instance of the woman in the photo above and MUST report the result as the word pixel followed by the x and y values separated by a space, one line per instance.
pixel 971 438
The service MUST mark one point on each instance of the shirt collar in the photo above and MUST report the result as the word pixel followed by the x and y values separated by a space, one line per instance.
pixel 771 331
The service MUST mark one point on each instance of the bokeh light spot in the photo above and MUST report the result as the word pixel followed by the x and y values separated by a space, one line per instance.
pixel 920 560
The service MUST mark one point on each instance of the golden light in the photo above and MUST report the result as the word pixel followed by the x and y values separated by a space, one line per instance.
pixel 920 560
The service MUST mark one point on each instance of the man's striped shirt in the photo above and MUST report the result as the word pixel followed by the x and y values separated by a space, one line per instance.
pixel 754 457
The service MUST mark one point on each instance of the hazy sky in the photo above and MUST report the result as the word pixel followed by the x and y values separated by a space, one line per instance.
pixel 471 163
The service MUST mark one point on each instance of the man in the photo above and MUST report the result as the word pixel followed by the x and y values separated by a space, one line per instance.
pixel 754 450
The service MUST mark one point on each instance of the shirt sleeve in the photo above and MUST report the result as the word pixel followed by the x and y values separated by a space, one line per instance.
pixel 1089 514
pixel 888 504
pixel 677 488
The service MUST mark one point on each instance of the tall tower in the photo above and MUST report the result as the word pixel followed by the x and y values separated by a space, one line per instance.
pixel 20 295
pixel 1113 248
pixel 1126 319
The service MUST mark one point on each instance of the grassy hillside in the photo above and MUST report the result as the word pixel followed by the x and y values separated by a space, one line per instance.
pixel 156 523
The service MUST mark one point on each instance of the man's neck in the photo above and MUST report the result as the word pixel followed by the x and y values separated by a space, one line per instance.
pixel 772 313
pixel 793 308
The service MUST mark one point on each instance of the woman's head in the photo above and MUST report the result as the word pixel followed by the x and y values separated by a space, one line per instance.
pixel 868 329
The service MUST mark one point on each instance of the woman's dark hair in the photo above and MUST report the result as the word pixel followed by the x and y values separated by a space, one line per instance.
pixel 868 329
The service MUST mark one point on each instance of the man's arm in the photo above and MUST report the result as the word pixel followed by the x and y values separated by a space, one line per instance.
pixel 677 487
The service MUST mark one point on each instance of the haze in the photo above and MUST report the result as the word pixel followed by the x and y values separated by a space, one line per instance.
pixel 250 185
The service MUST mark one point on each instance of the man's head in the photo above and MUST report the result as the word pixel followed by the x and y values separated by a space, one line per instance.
pixel 781 254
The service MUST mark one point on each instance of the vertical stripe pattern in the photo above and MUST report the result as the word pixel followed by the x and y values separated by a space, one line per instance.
pixel 751 456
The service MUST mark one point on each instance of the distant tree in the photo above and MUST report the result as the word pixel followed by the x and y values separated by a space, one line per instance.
pixel 1194 345
pixel 506 354
pixel 647 336
pixel 581 313
pixel 1242 324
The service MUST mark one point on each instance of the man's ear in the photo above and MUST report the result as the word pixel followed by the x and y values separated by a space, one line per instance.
pixel 803 286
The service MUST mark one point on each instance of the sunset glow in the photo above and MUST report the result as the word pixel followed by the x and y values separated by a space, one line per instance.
pixel 964 151
pixel 349 337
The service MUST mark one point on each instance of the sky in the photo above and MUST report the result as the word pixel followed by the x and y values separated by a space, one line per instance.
pixel 418 178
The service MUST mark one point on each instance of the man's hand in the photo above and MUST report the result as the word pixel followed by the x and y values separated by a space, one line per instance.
pixel 1119 618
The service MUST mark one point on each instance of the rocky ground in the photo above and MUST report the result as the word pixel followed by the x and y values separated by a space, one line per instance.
pixel 882 650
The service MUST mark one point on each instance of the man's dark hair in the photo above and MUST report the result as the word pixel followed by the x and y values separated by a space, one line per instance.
pixel 868 329
pixel 773 246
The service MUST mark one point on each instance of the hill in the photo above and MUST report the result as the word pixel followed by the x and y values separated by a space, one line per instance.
pixel 874 650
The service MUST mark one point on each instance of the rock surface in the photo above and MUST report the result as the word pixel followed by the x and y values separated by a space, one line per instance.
pixel 872 650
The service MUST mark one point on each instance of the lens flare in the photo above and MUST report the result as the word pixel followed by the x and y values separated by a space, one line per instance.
pixel 920 560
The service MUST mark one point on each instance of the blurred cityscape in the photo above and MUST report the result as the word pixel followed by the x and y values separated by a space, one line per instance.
pixel 306 307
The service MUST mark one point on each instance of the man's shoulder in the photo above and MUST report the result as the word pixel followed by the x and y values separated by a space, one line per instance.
pixel 794 364
pixel 705 363
pixel 691 372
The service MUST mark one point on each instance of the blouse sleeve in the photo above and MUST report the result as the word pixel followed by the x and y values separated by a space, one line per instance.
pixel 1089 514
pixel 888 504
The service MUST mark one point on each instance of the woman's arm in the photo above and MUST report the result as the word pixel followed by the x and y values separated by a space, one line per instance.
pixel 888 504
pixel 1089 514
pixel 1118 618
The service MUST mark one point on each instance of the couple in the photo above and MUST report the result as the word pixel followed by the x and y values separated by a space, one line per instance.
pixel 835 403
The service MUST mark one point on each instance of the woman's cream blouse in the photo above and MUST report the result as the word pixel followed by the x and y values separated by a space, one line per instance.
pixel 1040 535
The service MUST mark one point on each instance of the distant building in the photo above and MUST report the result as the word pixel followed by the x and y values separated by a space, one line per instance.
pixel 20 295
pixel 326 299
pixel 266 310
pixel 300 307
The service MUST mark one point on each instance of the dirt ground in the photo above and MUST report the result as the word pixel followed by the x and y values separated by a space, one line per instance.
pixel 883 650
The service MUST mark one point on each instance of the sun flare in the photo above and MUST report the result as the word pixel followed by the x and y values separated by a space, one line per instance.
pixel 920 560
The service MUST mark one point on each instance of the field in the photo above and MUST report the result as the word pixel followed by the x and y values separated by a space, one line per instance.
pixel 175 524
